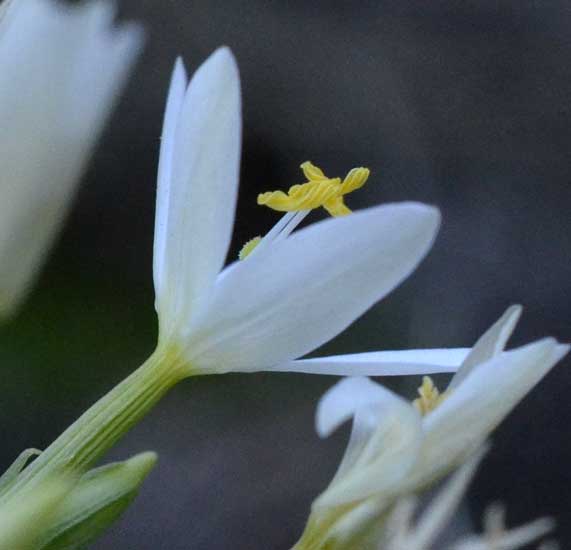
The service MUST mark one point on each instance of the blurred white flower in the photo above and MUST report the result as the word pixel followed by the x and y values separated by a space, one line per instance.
pixel 293 292
pixel 402 533
pixel 61 70
pixel 397 448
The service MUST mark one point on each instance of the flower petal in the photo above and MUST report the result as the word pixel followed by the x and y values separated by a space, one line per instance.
pixel 481 402
pixel 202 190
pixel 345 398
pixel 100 70
pixel 490 344
pixel 384 442
pixel 279 305
pixel 177 89
pixel 61 68
pixel 381 363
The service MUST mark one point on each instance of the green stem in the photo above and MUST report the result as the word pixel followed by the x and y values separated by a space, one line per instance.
pixel 101 426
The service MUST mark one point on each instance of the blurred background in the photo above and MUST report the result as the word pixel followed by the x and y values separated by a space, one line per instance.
pixel 465 105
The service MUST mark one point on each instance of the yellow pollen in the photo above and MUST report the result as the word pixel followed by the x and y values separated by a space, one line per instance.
pixel 248 247
pixel 317 191
pixel 429 398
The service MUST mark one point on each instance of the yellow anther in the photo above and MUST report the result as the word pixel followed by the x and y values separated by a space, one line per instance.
pixel 312 172
pixel 336 207
pixel 248 247
pixel 429 398
pixel 354 180
pixel 318 191
pixel 306 196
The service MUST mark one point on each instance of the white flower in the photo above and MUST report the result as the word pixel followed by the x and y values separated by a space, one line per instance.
pixel 397 448
pixel 288 296
pixel 61 68
pixel 294 291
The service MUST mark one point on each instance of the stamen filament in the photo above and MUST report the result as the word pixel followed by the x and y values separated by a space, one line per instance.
pixel 293 223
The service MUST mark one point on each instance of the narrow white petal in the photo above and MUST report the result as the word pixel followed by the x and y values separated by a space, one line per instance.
pixel 490 344
pixel 276 306
pixel 177 88
pixel 203 188
pixel 381 363
pixel 482 401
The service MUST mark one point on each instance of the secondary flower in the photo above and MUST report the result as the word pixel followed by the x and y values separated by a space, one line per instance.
pixel 292 293
pixel 61 70
pixel 397 448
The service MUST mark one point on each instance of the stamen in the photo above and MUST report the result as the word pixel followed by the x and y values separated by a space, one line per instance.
pixel 429 398
pixel 354 180
pixel 248 248
pixel 293 223
pixel 281 230
pixel 318 191
pixel 312 172
pixel 283 222
pixel 336 207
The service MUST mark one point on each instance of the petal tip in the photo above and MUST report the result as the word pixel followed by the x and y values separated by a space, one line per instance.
pixel 433 215
pixel 222 59
pixel 179 67
pixel 515 310
pixel 551 349
pixel 134 34
pixel 340 402
pixel 425 213
pixel 561 350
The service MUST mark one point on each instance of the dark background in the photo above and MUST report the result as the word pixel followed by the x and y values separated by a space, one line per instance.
pixel 465 105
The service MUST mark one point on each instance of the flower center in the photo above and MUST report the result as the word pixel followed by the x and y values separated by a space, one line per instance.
pixel 317 191
pixel 429 396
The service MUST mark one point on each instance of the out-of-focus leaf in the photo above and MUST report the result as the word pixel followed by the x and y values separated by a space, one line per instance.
pixel 25 517
pixel 96 502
